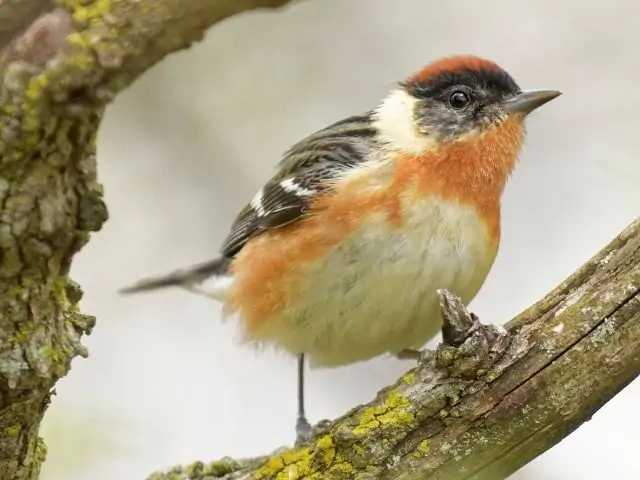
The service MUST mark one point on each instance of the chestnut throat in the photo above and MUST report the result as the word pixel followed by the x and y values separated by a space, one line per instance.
pixel 472 171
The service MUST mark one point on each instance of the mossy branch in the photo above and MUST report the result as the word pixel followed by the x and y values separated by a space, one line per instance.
pixel 61 62
pixel 488 399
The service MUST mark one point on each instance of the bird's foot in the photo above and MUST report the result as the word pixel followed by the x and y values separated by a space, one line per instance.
pixel 421 356
pixel 303 431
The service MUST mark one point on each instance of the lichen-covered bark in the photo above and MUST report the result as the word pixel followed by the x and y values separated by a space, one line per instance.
pixel 483 404
pixel 60 64
pixel 487 401
pixel 49 204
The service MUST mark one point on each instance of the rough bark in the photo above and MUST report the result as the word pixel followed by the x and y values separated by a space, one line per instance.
pixel 486 402
pixel 61 63
pixel 488 399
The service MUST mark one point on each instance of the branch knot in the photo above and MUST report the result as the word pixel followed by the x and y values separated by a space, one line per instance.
pixel 468 347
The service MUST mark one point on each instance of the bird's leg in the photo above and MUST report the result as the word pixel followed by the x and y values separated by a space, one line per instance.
pixel 303 427
pixel 408 354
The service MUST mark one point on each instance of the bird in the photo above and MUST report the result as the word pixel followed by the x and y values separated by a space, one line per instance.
pixel 338 257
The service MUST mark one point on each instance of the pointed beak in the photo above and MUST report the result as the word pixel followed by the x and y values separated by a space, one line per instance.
pixel 527 102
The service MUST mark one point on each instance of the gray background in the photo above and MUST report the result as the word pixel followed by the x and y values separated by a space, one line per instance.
pixel 192 140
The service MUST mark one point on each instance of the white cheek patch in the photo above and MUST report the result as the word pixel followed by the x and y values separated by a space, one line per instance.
pixel 394 120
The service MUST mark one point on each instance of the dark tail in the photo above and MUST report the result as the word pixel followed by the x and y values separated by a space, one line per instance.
pixel 182 277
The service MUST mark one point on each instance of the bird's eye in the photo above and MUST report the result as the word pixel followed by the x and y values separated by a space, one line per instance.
pixel 458 99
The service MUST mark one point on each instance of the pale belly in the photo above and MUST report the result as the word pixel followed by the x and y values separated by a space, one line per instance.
pixel 375 293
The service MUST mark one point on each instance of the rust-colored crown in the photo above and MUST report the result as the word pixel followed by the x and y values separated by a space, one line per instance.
pixel 453 64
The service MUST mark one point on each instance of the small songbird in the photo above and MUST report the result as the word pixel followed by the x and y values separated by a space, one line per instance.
pixel 338 256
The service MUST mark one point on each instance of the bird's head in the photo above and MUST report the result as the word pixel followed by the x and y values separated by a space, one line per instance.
pixel 458 98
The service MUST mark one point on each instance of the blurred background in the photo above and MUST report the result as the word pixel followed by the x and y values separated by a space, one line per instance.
pixel 183 149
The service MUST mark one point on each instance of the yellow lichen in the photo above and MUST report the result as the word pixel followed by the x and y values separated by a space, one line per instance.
pixel 342 468
pixel 41 451
pixel 367 421
pixel 84 12
pixel 408 378
pixel 77 40
pixel 35 87
pixel 395 417
pixel 287 465
pixel 422 449
pixel 325 445
pixel 393 410
pixel 82 60
pixel 396 400
pixel 307 463
pixel 359 450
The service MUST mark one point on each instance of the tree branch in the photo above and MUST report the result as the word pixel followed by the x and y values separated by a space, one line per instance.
pixel 487 400
pixel 61 63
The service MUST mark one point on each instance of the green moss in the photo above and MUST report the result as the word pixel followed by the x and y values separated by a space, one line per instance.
pixel 59 291
pixel 52 354
pixel 360 451
pixel 41 451
pixel 12 431
pixel 453 398
pixel 490 376
pixel 56 358
pixel 194 469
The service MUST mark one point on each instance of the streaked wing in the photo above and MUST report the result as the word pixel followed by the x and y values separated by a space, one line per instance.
pixel 305 171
